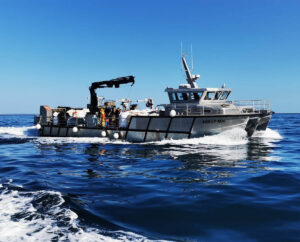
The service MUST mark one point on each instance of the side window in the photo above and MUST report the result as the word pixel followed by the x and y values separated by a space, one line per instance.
pixel 174 97
pixel 200 94
pixel 209 95
pixel 182 96
pixel 196 95
pixel 218 95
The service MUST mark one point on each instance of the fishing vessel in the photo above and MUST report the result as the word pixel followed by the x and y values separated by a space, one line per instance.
pixel 192 112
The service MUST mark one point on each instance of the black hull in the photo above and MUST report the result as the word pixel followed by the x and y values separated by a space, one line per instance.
pixel 258 122
pixel 252 125
pixel 263 123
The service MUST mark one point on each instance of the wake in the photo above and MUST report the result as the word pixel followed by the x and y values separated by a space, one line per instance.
pixel 227 138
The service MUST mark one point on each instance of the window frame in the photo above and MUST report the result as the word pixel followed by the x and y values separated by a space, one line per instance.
pixel 226 95
pixel 206 98
pixel 220 94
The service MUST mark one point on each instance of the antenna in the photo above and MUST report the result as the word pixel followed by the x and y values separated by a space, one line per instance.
pixel 192 58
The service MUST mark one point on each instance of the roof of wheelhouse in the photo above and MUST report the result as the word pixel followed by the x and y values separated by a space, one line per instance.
pixel 202 89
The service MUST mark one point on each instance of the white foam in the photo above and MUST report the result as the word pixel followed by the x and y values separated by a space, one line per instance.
pixel 231 137
pixel 267 134
pixel 31 132
pixel 20 132
pixel 235 136
pixel 79 140
pixel 226 154
pixel 24 218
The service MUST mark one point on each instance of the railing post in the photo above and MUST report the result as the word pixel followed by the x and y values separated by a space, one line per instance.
pixel 187 109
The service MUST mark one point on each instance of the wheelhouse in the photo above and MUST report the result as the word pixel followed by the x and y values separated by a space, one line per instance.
pixel 185 94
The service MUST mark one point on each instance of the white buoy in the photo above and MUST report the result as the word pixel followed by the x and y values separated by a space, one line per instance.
pixel 172 113
pixel 75 129
pixel 103 133
pixel 116 135
pixel 38 126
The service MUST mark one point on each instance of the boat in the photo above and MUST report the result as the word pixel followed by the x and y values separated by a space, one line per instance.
pixel 191 113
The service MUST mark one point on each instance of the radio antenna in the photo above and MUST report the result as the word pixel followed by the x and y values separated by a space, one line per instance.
pixel 192 59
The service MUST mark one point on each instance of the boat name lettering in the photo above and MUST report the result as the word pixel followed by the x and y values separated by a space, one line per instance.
pixel 210 121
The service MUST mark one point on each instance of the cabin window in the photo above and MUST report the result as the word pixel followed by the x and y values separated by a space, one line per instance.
pixel 218 95
pixel 185 96
pixel 224 95
pixel 175 97
pixel 196 96
pixel 209 96
pixel 182 96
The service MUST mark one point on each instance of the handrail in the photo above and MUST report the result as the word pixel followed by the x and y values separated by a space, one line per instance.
pixel 243 106
pixel 249 106
pixel 256 105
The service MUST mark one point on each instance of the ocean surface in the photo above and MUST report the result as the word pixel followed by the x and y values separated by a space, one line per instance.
pixel 217 188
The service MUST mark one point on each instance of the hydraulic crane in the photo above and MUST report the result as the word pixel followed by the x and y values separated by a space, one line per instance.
pixel 106 84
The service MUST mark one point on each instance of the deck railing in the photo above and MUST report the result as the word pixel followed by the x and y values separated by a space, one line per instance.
pixel 247 106
pixel 252 105
pixel 191 109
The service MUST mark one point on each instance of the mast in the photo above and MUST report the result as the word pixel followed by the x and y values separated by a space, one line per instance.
pixel 191 79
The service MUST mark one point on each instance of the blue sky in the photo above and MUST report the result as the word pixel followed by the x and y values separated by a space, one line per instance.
pixel 51 50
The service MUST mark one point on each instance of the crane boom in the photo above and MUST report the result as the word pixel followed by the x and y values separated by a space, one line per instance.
pixel 106 84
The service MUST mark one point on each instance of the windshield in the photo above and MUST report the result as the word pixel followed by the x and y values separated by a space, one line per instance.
pixel 218 94
pixel 225 95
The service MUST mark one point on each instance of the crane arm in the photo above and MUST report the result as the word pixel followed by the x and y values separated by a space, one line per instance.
pixel 106 84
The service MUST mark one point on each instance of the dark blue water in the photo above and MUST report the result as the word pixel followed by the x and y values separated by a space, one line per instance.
pixel 217 188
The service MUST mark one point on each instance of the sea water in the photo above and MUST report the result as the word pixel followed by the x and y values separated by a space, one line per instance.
pixel 214 188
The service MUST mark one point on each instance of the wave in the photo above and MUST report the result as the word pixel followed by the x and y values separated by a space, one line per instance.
pixel 231 137
pixel 42 216
pixel 235 136
pixel 19 132
pixel 79 140
pixel 267 134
